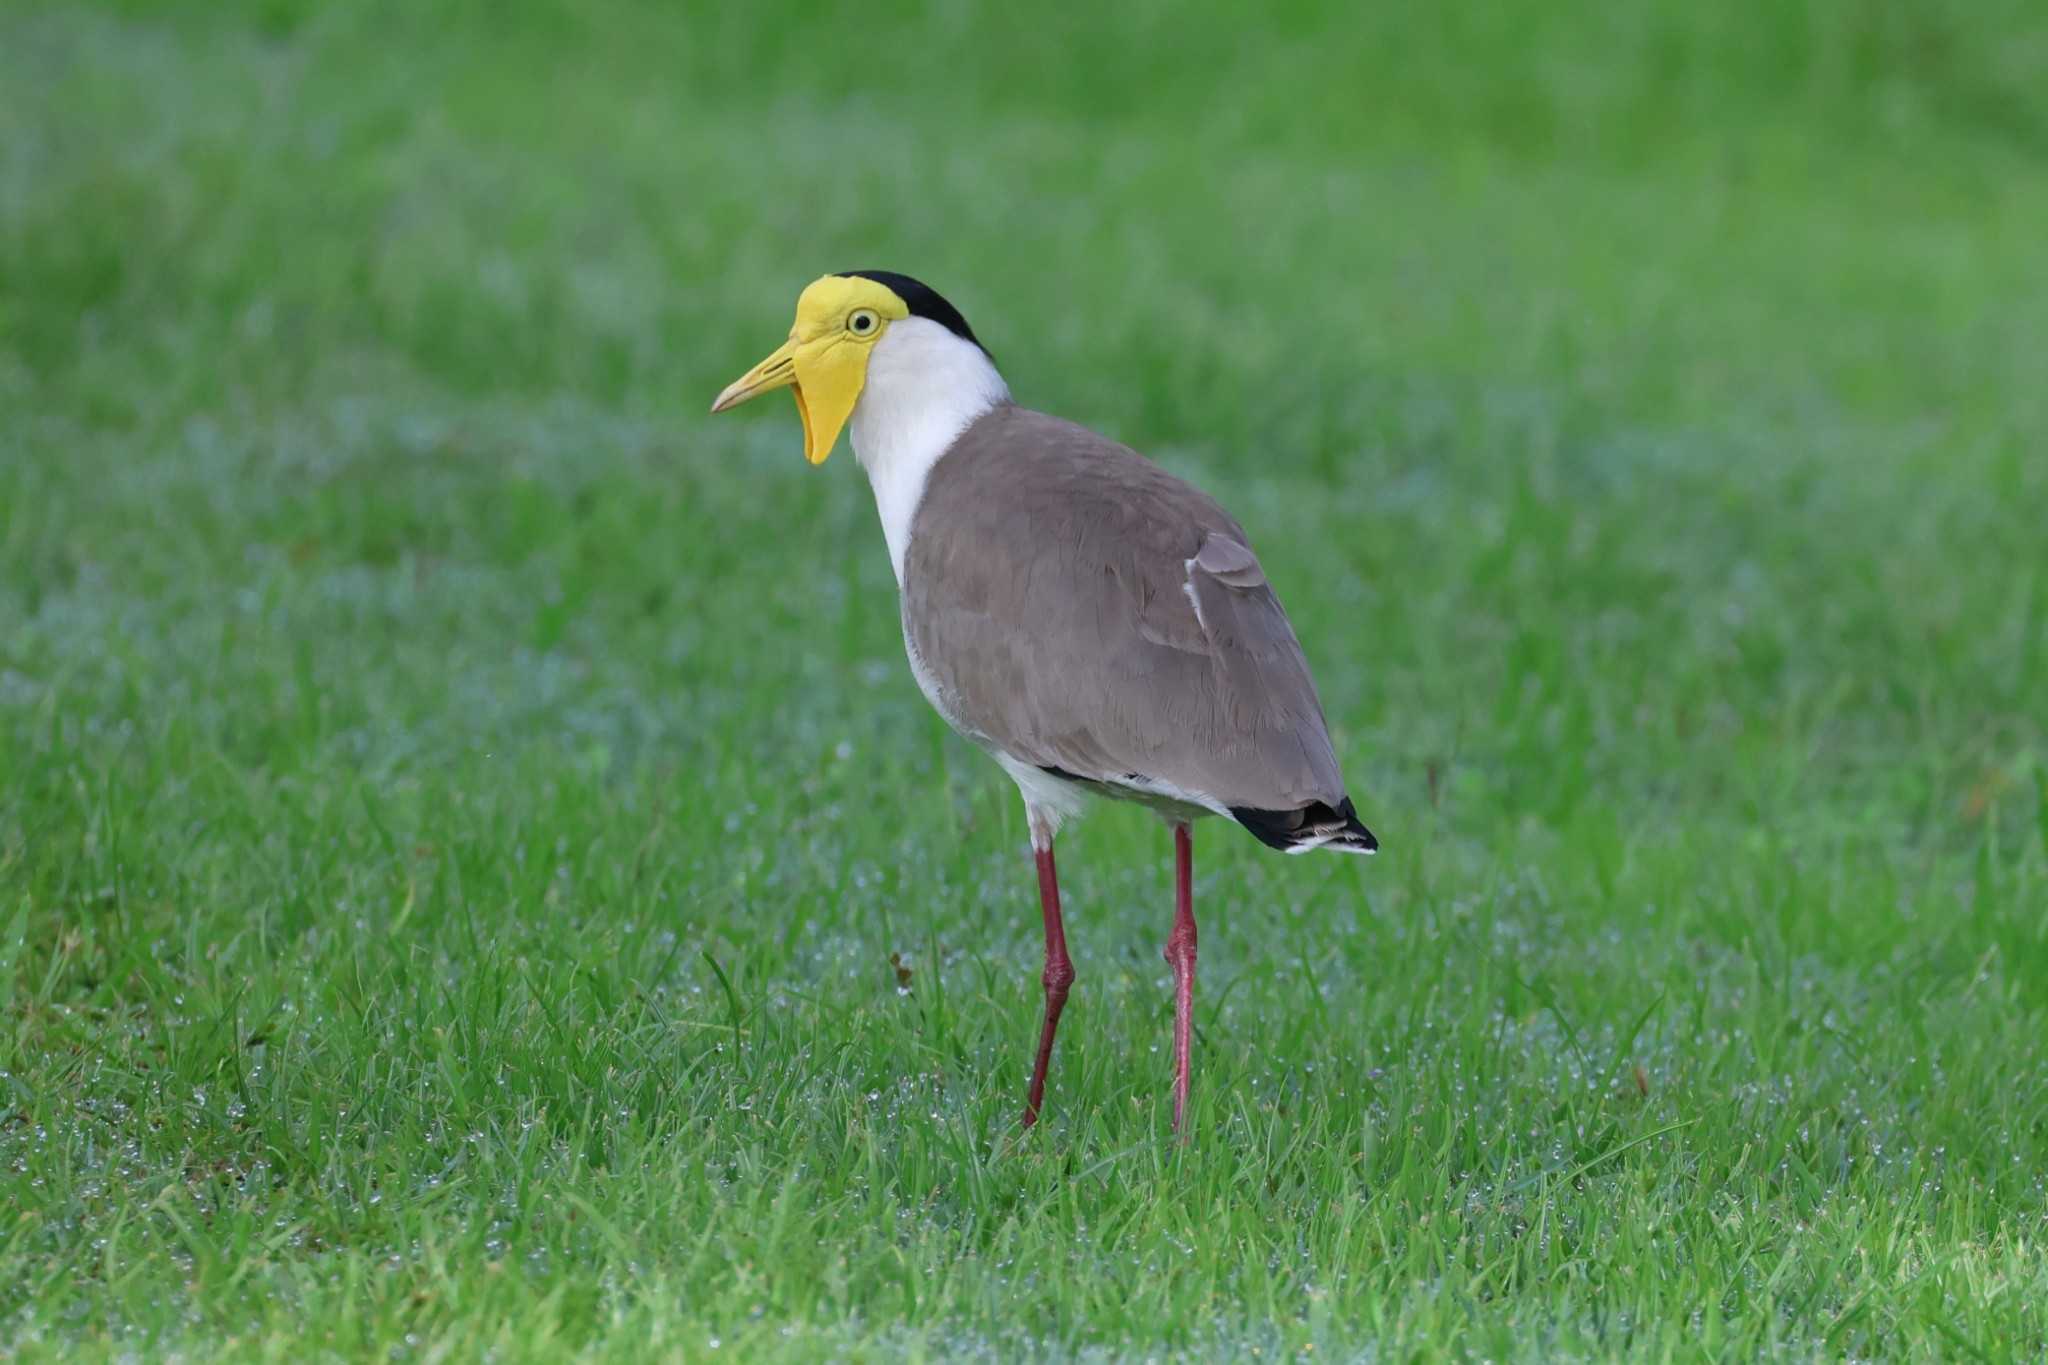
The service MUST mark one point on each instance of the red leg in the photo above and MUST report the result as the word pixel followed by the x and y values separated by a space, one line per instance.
pixel 1059 975
pixel 1180 955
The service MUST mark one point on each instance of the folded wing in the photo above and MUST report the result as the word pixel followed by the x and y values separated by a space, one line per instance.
pixel 1070 603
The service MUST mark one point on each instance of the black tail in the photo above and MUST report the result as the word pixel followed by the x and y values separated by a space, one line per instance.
pixel 1316 825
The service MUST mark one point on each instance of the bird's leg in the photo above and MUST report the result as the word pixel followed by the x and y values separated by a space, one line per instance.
pixel 1059 972
pixel 1180 955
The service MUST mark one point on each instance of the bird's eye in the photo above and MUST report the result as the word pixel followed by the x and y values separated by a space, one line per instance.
pixel 862 323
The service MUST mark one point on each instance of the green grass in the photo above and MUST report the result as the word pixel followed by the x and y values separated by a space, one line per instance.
pixel 459 804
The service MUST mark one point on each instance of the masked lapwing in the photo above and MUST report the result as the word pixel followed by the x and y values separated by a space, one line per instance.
pixel 1098 626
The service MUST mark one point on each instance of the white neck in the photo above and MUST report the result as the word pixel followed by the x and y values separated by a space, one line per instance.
pixel 924 386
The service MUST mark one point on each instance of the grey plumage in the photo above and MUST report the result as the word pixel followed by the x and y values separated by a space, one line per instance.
pixel 1071 604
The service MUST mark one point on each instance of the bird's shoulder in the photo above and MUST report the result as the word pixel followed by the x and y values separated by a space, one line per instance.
pixel 1025 485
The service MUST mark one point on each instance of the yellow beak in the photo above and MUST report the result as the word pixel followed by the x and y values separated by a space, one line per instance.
pixel 774 372
pixel 824 377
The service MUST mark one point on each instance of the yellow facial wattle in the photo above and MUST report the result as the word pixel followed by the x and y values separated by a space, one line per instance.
pixel 825 361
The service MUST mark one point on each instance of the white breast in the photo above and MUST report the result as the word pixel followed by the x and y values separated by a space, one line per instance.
pixel 924 386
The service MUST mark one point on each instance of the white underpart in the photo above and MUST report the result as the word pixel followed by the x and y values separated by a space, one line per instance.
pixel 1049 802
pixel 924 386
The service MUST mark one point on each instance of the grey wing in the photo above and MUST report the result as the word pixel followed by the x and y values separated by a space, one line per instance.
pixel 1073 605
pixel 1262 677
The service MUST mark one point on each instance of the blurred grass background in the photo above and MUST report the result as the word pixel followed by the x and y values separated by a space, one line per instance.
pixel 458 803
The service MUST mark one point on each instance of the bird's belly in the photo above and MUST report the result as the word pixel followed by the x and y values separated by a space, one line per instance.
pixel 1058 796
pixel 1050 787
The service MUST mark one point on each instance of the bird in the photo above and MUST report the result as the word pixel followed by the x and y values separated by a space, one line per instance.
pixel 1100 627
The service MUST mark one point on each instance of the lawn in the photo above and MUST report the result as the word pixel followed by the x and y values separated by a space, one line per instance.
pixel 477 877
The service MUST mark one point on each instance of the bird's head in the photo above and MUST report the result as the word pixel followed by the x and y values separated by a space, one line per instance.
pixel 843 322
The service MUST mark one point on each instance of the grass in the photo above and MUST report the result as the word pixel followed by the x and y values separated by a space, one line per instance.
pixel 459 806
